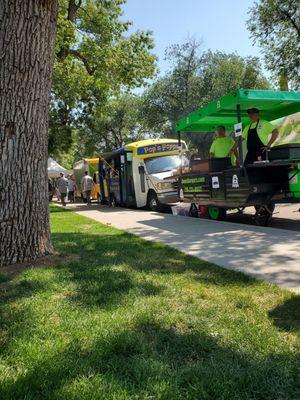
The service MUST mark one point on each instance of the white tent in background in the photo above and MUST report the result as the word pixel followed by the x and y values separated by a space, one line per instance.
pixel 54 169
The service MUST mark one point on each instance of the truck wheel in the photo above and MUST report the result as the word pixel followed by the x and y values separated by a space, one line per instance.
pixel 153 204
pixel 112 201
pixel 216 213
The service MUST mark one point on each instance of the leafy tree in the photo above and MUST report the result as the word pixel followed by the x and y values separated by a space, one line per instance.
pixel 110 127
pixel 96 58
pixel 27 34
pixel 176 93
pixel 275 25
pixel 195 79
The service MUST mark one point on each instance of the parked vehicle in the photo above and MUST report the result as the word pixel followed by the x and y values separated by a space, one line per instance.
pixel 135 175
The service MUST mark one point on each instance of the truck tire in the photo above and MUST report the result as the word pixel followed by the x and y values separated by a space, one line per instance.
pixel 112 201
pixel 153 204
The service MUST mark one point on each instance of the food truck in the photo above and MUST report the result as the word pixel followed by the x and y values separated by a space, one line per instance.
pixel 79 168
pixel 134 175
pixel 216 185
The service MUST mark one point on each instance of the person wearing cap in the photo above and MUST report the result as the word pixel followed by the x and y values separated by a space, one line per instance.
pixel 257 135
pixel 222 146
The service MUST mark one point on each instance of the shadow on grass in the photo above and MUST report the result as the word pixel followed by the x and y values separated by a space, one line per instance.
pixel 151 361
pixel 286 316
pixel 105 288
pixel 56 208
pixel 20 289
pixel 145 359
pixel 15 321
pixel 105 249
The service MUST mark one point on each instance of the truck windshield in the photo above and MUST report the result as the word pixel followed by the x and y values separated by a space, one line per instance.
pixel 164 164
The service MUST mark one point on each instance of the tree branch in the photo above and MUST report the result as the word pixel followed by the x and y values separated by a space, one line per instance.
pixel 73 7
pixel 292 21
pixel 191 56
pixel 78 55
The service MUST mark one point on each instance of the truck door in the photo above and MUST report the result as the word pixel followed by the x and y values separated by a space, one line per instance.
pixel 130 193
pixel 140 182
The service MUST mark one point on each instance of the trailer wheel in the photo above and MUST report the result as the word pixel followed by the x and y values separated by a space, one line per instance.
pixel 268 209
pixel 216 213
pixel 263 214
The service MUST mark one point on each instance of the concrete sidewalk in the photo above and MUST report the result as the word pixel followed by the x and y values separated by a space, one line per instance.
pixel 265 253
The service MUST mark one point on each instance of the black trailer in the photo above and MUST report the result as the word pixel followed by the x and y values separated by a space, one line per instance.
pixel 219 186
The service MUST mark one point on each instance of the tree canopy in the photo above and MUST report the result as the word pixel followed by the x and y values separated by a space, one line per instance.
pixel 96 58
pixel 275 26
pixel 113 125
pixel 195 78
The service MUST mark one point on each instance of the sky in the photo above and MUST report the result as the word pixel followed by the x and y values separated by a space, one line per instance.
pixel 221 24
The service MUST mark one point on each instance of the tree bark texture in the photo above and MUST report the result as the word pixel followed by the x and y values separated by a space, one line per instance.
pixel 27 34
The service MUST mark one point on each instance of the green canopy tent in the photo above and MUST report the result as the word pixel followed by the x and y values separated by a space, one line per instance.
pixel 232 108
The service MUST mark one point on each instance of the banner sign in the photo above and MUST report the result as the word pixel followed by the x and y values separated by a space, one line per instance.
pixel 159 148
pixel 194 185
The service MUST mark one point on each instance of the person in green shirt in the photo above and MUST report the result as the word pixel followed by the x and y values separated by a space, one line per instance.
pixel 257 136
pixel 222 146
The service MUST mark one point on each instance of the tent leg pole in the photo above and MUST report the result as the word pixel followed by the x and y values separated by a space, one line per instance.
pixel 180 164
pixel 240 138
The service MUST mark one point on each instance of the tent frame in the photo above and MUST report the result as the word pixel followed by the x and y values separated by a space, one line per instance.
pixel 232 108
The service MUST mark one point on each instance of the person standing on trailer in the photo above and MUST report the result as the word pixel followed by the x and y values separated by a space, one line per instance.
pixel 257 136
pixel 87 184
pixel 222 146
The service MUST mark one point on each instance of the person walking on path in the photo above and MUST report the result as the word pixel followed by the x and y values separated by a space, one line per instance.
pixel 87 184
pixel 62 186
pixel 72 188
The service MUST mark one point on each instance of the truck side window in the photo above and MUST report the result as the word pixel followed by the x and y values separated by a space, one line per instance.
pixel 142 178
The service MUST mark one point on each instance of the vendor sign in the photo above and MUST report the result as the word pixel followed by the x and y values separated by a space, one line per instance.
pixel 159 148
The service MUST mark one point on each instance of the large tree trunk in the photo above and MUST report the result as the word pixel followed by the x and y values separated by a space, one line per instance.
pixel 27 33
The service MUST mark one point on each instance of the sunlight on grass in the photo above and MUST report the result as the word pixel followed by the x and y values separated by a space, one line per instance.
pixel 127 319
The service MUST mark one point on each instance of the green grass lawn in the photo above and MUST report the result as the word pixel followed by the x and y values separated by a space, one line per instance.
pixel 121 318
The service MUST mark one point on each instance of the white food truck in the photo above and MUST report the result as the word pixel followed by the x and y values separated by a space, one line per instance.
pixel 135 175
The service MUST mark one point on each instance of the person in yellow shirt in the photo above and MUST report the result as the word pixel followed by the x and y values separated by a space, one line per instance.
pixel 257 136
pixel 222 146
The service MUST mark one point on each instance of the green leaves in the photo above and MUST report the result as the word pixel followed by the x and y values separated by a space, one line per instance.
pixel 96 59
pixel 111 126
pixel 195 79
pixel 91 35
pixel 275 26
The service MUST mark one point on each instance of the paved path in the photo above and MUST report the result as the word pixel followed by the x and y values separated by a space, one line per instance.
pixel 265 253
